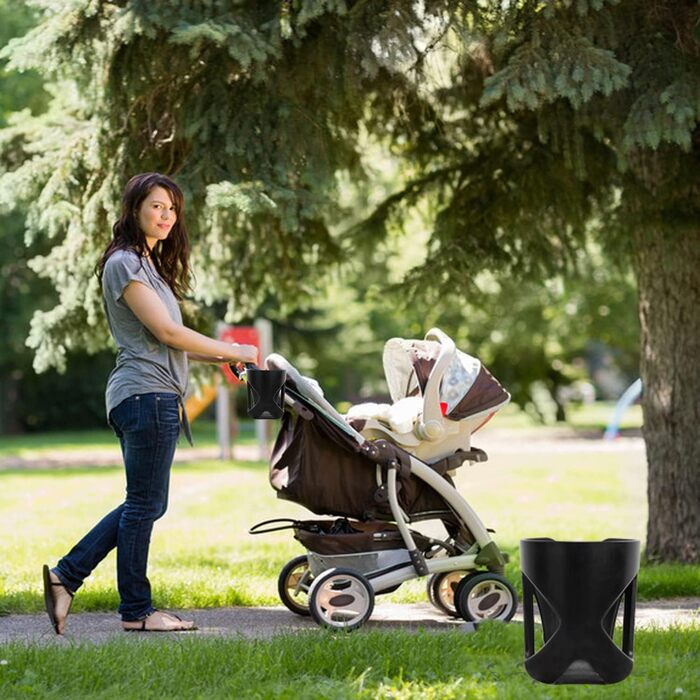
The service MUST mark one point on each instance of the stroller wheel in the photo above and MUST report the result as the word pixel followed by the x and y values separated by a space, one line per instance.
pixel 294 583
pixel 486 597
pixel 441 590
pixel 341 599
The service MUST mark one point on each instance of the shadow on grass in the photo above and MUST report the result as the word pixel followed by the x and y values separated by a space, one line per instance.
pixel 77 470
pixel 595 432
pixel 209 465
pixel 176 596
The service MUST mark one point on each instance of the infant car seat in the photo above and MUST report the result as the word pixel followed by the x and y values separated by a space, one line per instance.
pixel 440 397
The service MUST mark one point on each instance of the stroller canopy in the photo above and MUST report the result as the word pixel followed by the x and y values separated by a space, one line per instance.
pixel 467 387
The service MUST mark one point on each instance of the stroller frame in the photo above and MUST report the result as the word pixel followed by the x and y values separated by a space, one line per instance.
pixel 420 566
pixel 480 564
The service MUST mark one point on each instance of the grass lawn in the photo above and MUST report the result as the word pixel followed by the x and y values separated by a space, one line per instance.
pixel 397 664
pixel 585 417
pixel 202 556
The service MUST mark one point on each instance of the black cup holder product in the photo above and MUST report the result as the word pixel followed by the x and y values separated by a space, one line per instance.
pixel 265 392
pixel 578 587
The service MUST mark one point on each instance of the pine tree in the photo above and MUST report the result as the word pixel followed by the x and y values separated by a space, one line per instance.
pixel 254 107
pixel 560 122
pixel 526 128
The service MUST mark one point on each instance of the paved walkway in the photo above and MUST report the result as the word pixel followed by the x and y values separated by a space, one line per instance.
pixel 267 622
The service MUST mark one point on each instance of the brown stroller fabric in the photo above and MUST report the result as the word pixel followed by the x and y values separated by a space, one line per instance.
pixel 318 465
pixel 329 537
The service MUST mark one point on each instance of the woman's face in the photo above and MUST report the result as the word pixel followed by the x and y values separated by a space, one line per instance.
pixel 156 215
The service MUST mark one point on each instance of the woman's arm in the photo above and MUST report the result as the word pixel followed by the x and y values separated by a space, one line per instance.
pixel 151 311
pixel 194 357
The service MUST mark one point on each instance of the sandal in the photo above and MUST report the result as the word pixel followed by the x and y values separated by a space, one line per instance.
pixel 50 600
pixel 159 621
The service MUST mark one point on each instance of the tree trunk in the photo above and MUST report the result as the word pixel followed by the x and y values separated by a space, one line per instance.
pixel 668 269
pixel 9 424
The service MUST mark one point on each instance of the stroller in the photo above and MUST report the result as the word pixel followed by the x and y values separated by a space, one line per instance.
pixel 378 470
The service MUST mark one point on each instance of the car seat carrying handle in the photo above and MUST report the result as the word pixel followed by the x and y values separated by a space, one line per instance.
pixel 431 425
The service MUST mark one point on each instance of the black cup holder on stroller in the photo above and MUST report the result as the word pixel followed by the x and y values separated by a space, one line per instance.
pixel 578 587
pixel 265 392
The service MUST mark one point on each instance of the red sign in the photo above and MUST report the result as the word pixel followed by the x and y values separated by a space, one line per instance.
pixel 243 335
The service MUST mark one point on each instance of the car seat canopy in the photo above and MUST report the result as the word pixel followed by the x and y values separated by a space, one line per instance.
pixel 467 387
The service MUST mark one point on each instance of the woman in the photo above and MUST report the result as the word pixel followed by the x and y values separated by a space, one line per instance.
pixel 144 273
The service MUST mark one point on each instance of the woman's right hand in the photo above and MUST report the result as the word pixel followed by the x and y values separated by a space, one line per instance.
pixel 244 353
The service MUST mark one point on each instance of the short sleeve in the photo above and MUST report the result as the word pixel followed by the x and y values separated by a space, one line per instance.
pixel 121 268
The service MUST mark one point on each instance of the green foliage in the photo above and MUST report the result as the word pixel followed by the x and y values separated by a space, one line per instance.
pixel 24 90
pixel 534 336
pixel 254 107
pixel 522 131
pixel 554 65
pixel 19 291
pixel 553 126
pixel 76 399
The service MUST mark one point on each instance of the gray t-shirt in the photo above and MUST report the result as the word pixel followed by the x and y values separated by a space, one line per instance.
pixel 144 364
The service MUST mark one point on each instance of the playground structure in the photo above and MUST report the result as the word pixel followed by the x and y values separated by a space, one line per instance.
pixel 198 403
pixel 631 394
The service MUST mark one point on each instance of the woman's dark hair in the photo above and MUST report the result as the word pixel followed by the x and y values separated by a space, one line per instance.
pixel 170 256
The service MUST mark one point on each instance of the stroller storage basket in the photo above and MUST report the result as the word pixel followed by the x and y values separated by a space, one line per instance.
pixel 333 537
pixel 342 537
pixel 362 562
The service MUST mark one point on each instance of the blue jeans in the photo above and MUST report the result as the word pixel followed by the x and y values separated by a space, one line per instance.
pixel 147 426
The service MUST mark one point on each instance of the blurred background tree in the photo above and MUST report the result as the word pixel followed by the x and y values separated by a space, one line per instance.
pixel 29 401
pixel 560 123
pixel 287 184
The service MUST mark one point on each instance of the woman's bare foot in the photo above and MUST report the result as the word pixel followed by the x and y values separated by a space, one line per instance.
pixel 58 600
pixel 159 621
